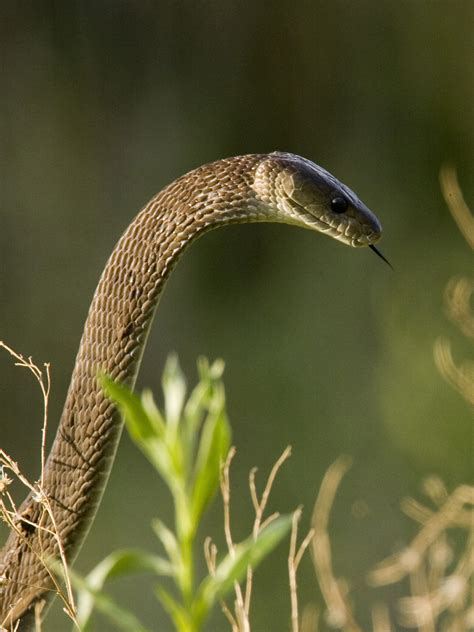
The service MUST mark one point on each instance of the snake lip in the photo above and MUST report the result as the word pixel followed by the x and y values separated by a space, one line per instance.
pixel 358 227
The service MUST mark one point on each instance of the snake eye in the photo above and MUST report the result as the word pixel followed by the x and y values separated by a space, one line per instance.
pixel 339 204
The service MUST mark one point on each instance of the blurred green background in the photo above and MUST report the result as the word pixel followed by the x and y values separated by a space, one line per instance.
pixel 326 348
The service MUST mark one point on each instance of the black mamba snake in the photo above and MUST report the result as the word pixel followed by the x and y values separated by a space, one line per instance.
pixel 276 187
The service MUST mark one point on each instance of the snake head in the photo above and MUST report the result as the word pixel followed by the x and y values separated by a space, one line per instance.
pixel 302 193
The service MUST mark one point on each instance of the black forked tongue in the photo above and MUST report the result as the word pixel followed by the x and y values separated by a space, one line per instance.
pixel 379 254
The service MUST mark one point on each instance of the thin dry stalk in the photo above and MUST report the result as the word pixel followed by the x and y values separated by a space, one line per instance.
pixel 338 608
pixel 45 386
pixel 225 491
pixel 396 567
pixel 457 299
pixel 259 507
pixel 434 488
pixel 210 555
pixel 460 377
pixel 230 617
pixel 381 618
pixel 458 294
pixel 421 614
pixel 292 571
pixel 415 510
pixel 294 559
pixel 455 202
pixel 39 607
pixel 439 594
pixel 9 513
pixel 440 557
pixel 239 619
pixel 310 619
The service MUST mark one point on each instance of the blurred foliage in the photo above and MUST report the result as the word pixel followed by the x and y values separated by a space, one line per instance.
pixel 103 104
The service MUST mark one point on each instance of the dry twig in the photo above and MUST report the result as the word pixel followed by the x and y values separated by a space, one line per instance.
pixel 455 202
pixel 339 612
pixel 8 509
pixel 294 558
pixel 239 618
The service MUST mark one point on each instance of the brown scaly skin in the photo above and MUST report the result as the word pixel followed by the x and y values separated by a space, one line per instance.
pixel 275 187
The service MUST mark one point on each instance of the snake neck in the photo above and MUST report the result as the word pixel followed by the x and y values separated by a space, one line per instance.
pixel 124 304
pixel 113 341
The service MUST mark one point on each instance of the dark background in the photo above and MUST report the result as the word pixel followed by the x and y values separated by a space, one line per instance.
pixel 104 103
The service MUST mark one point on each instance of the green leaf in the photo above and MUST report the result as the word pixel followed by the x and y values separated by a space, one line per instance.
pixel 168 540
pixel 122 618
pixel 199 402
pixel 178 614
pixel 146 430
pixel 122 562
pixel 152 410
pixel 194 412
pixel 174 389
pixel 141 426
pixel 213 372
pixel 233 568
pixel 213 448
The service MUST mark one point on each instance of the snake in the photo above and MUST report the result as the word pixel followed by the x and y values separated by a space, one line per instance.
pixel 274 187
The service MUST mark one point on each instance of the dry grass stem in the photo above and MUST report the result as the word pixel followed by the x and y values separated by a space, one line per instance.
pixel 230 617
pixel 261 505
pixel 418 609
pixel 44 382
pixel 239 618
pixel 225 491
pixel 381 618
pixel 460 377
pixel 292 571
pixel 455 202
pixel 339 612
pixel 458 300
pixel 39 607
pixel 310 619
pixel 440 578
pixel 396 567
pixel 294 559
pixel 8 509
pixel 439 593
pixel 458 294
pixel 415 510
pixel 434 488
pixel 259 508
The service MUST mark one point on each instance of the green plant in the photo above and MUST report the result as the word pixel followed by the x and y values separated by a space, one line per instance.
pixel 187 443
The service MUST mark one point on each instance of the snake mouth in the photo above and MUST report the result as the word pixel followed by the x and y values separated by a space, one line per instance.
pixel 350 230
pixel 361 226
pixel 368 237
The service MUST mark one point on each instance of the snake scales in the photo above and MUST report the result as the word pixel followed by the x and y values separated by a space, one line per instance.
pixel 275 187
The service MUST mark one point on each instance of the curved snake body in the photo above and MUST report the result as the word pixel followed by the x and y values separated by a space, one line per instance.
pixel 275 187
